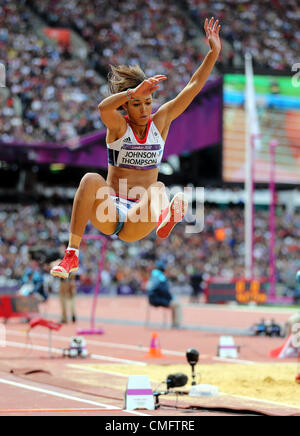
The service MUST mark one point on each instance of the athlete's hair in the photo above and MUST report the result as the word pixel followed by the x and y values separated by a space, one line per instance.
pixel 123 77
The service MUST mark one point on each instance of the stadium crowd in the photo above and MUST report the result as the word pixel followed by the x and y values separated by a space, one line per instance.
pixel 216 251
pixel 52 96
pixel 269 29
pixel 133 32
pixel 49 91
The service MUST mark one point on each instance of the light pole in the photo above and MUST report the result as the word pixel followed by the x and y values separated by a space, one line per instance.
pixel 272 222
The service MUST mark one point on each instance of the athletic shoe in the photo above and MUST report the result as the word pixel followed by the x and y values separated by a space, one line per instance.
pixel 68 265
pixel 172 215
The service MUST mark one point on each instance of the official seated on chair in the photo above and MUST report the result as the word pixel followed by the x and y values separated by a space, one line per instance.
pixel 159 295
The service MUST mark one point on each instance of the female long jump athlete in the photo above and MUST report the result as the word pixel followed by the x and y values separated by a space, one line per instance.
pixel 131 202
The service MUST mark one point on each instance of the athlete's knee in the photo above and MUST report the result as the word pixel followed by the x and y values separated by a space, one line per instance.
pixel 158 200
pixel 91 181
pixel 92 178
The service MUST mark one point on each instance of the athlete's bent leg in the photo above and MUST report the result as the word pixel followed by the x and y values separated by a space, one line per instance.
pixel 92 191
pixel 85 208
pixel 143 217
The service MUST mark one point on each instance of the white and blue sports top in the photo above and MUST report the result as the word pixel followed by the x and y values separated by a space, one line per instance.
pixel 135 153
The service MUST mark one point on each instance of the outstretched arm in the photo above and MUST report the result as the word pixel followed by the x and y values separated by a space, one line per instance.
pixel 172 109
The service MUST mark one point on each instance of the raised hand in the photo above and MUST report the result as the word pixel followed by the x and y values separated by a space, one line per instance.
pixel 212 33
pixel 148 86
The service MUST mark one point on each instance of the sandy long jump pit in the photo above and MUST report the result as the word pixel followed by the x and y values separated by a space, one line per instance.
pixel 268 388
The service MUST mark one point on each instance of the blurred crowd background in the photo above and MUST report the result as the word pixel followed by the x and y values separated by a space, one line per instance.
pixel 218 251
pixel 269 29
pixel 52 95
pixel 54 91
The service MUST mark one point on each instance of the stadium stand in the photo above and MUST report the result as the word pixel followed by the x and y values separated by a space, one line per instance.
pixel 25 227
pixel 52 95
pixel 268 29
pixel 133 32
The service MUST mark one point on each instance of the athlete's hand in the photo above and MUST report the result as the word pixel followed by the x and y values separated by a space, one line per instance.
pixel 212 33
pixel 148 86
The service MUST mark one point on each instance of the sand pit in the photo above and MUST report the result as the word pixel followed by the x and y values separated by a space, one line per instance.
pixel 269 382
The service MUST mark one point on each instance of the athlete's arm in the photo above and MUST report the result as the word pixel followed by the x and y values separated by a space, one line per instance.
pixel 172 109
pixel 108 108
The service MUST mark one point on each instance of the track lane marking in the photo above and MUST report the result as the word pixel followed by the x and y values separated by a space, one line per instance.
pixel 59 351
pixel 99 343
pixel 57 410
pixel 132 347
pixel 65 396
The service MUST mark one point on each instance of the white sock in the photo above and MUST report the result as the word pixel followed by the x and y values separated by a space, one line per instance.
pixel 74 249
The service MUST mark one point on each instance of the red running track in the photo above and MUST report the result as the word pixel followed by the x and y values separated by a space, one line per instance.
pixel 54 390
